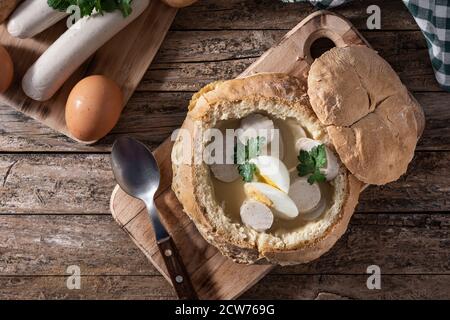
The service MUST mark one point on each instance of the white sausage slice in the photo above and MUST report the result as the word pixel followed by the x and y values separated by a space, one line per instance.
pixel 332 168
pixel 305 196
pixel 73 48
pixel 316 213
pixel 256 215
pixel 255 125
pixel 32 17
pixel 225 172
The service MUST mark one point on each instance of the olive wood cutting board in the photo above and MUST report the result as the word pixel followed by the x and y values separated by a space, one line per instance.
pixel 125 59
pixel 213 275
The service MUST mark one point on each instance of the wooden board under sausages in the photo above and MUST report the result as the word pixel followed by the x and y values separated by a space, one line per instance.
pixel 125 59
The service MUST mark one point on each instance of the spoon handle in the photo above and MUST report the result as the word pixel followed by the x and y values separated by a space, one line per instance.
pixel 177 271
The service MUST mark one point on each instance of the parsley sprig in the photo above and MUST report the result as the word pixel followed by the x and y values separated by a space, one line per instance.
pixel 311 162
pixel 87 6
pixel 243 154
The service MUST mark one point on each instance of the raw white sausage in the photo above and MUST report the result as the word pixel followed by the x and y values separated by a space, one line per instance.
pixel 32 17
pixel 73 48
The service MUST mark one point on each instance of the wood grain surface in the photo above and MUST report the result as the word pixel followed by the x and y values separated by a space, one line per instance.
pixel 51 218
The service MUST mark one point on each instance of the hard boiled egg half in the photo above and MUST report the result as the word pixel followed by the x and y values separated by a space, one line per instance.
pixel 282 206
pixel 272 171
pixel 271 186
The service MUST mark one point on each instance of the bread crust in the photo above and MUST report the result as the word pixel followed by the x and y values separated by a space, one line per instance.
pixel 372 119
pixel 273 88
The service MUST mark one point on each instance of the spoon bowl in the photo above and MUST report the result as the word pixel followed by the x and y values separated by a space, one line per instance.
pixel 135 168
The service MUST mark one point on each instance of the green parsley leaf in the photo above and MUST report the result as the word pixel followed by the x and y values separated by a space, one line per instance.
pixel 254 147
pixel 311 162
pixel 60 5
pixel 247 170
pixel 320 156
pixel 307 164
pixel 87 6
pixel 317 176
pixel 242 155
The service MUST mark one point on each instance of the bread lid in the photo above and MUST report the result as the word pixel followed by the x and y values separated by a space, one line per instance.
pixel 370 116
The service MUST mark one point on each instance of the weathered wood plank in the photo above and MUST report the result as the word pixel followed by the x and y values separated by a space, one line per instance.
pixel 152 117
pixel 436 135
pixel 92 288
pixel 351 287
pixel 414 69
pixel 271 287
pixel 424 187
pixel 406 51
pixel 33 183
pixel 274 14
pixel 395 242
pixel 82 183
pixel 200 46
pixel 47 244
pixel 219 45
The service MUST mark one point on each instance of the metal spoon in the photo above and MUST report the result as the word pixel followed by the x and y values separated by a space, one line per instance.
pixel 137 172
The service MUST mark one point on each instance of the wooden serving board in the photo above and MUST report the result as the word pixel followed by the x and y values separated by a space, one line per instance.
pixel 213 275
pixel 125 59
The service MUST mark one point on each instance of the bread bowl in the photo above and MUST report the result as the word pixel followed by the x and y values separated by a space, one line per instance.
pixel 290 239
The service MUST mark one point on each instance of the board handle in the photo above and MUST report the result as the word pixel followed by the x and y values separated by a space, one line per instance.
pixel 295 46
pixel 330 25
pixel 177 270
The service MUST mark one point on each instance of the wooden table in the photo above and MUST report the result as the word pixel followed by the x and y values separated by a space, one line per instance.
pixel 54 193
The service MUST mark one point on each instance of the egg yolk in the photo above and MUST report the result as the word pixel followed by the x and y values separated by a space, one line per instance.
pixel 254 194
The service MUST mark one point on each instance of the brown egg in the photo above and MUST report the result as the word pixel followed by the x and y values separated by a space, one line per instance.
pixel 93 108
pixel 6 70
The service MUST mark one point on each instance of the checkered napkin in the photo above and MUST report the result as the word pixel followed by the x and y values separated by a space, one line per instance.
pixel 433 17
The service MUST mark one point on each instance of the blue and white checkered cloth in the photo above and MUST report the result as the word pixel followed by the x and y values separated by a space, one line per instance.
pixel 433 18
